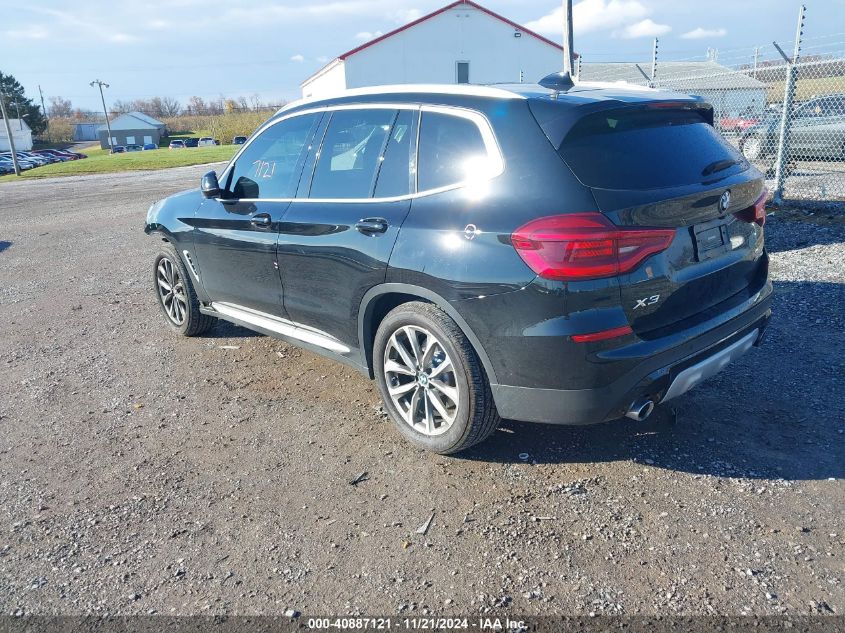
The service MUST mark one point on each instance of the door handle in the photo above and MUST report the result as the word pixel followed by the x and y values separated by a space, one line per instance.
pixel 261 220
pixel 371 226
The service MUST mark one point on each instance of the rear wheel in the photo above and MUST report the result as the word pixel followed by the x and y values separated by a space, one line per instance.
pixel 432 381
pixel 176 295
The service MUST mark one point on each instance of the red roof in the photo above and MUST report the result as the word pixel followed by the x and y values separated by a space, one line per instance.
pixel 468 3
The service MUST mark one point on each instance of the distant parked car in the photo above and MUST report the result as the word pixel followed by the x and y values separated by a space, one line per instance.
pixel 35 158
pixel 133 147
pixel 737 123
pixel 150 146
pixel 53 154
pixel 23 163
pixel 118 149
pixel 206 141
pixel 817 133
pixel 191 142
pixel 239 140
pixel 176 144
pixel 217 141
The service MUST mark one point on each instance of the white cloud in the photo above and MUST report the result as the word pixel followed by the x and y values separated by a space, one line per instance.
pixel 701 33
pixel 592 15
pixel 29 33
pixel 298 58
pixel 403 16
pixel 644 28
pixel 122 38
pixel 366 36
pixel 323 59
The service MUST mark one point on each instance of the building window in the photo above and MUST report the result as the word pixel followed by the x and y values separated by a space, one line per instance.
pixel 463 72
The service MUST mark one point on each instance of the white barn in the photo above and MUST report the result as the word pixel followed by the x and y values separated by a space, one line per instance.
pixel 21 134
pixel 461 43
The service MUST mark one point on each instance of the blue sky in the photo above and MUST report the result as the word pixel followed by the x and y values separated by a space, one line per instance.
pixel 180 48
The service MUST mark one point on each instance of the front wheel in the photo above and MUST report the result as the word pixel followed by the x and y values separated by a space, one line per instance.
pixel 176 295
pixel 432 381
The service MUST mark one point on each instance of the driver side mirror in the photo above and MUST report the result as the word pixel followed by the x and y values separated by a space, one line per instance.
pixel 209 185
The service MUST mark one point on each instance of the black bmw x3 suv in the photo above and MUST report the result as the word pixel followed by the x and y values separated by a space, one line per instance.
pixel 564 257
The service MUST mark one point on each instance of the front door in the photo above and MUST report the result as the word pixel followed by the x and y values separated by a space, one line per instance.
pixel 335 240
pixel 235 235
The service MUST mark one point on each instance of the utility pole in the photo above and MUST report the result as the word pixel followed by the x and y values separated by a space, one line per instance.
pixel 44 111
pixel 567 37
pixel 756 60
pixel 102 84
pixel 11 138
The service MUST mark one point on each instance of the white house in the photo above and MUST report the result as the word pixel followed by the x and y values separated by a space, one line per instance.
pixel 21 134
pixel 460 43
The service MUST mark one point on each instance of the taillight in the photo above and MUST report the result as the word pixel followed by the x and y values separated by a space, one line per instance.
pixel 756 213
pixel 585 246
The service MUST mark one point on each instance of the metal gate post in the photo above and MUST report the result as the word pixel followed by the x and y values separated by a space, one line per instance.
pixel 785 117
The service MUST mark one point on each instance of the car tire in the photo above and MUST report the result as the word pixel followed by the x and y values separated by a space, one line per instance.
pixel 176 296
pixel 757 149
pixel 436 392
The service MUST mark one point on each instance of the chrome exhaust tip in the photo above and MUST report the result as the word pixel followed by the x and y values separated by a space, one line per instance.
pixel 640 409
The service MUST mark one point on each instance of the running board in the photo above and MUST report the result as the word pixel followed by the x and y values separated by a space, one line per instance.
pixel 280 326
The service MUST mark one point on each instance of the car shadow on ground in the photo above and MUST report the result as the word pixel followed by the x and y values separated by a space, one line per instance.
pixel 224 329
pixel 4 244
pixel 776 413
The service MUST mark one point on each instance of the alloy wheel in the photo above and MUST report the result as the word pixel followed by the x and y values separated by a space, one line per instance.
pixel 753 148
pixel 171 291
pixel 420 379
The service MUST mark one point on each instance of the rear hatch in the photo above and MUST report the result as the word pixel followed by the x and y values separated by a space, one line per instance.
pixel 662 164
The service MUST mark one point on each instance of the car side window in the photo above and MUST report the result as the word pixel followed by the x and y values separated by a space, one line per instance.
pixel 269 166
pixel 351 153
pixel 394 176
pixel 450 148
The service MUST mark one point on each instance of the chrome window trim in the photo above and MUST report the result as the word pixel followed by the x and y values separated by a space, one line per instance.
pixel 494 152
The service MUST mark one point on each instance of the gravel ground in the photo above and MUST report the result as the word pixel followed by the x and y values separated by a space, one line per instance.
pixel 143 473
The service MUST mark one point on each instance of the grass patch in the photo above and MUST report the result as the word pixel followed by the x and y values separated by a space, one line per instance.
pixel 99 161
pixel 807 88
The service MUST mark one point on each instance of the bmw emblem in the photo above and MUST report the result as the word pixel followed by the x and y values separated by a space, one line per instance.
pixel 725 201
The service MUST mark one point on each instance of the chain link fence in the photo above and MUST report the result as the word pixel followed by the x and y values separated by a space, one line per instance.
pixel 787 118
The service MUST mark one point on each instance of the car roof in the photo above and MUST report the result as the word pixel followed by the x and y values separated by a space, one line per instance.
pixel 581 93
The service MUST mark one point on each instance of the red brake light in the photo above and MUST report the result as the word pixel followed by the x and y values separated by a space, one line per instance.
pixel 756 213
pixel 585 246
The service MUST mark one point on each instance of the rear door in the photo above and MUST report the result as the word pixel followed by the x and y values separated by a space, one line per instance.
pixel 337 236
pixel 235 236
pixel 662 167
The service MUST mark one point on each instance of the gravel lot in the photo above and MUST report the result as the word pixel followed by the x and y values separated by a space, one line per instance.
pixel 143 473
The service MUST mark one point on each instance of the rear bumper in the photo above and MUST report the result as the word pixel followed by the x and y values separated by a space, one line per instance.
pixel 679 368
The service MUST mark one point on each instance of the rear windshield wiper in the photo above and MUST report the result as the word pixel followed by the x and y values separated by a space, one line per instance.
pixel 719 165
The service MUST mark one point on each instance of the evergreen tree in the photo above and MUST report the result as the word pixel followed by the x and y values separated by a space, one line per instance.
pixel 15 101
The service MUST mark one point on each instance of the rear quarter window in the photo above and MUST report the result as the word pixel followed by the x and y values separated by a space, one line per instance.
pixel 450 149
pixel 648 149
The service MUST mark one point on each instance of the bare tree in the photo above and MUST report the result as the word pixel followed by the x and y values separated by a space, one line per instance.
pixel 122 107
pixel 196 105
pixel 170 107
pixel 255 101
pixel 60 108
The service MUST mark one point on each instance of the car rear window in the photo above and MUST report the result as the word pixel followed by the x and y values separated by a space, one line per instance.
pixel 648 149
